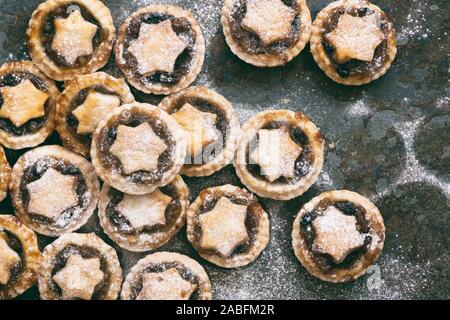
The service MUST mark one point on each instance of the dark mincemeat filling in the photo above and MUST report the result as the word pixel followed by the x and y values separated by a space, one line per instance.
pixel 250 42
pixel 184 30
pixel 79 99
pixel 36 171
pixel 33 125
pixel 60 260
pixel 251 223
pixel 221 125
pixel 48 33
pixel 184 272
pixel 323 261
pixel 15 244
pixel 303 162
pixel 355 67
pixel 121 223
pixel 134 118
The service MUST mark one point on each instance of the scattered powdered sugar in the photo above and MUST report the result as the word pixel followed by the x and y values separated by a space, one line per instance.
pixel 403 279
pixel 414 28
pixel 208 14
pixel 413 172
pixel 359 108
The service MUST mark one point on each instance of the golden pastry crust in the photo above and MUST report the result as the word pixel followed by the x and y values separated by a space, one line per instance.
pixel 360 266
pixel 268 59
pixel 123 182
pixel 72 89
pixel 279 191
pixel 88 240
pixel 261 236
pixel 5 174
pixel 137 242
pixel 99 58
pixel 234 128
pixel 196 64
pixel 324 62
pixel 67 157
pixel 204 290
pixel 30 252
pixel 12 141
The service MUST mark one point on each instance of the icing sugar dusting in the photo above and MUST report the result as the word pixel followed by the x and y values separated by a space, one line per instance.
pixel 414 172
pixel 414 28
pixel 359 108
pixel 336 234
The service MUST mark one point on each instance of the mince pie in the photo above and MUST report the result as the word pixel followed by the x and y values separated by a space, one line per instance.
pixel 84 102
pixel 54 190
pixel 144 222
pixel 353 41
pixel 338 235
pixel 211 125
pixel 70 37
pixel 5 173
pixel 160 49
pixel 80 266
pixel 167 276
pixel 138 148
pixel 266 33
pixel 280 154
pixel 20 257
pixel 227 226
pixel 27 105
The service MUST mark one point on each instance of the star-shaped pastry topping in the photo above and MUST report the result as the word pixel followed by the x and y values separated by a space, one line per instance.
pixel 356 37
pixel 223 228
pixel 8 259
pixel 73 37
pixel 52 194
pixel 199 126
pixel 79 277
pixel 145 210
pixel 137 148
pixel 270 20
pixel 94 108
pixel 22 103
pixel 167 285
pixel 276 153
pixel 336 234
pixel 157 48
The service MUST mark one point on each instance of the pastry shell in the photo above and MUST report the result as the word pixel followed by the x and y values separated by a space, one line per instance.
pixel 47 65
pixel 204 285
pixel 267 59
pixel 262 236
pixel 5 174
pixel 196 65
pixel 120 182
pixel 31 253
pixel 80 239
pixel 227 154
pixel 136 243
pixel 12 141
pixel 276 191
pixel 73 87
pixel 324 62
pixel 30 158
pixel 363 263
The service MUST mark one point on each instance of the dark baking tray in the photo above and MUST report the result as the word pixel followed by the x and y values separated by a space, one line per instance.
pixel 389 140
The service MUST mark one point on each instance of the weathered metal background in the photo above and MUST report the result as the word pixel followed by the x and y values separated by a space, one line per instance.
pixel 388 140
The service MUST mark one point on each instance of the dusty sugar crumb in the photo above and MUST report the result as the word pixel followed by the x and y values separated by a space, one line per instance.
pixel 359 108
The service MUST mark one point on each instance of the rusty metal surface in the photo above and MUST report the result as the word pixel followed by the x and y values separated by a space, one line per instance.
pixel 389 140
